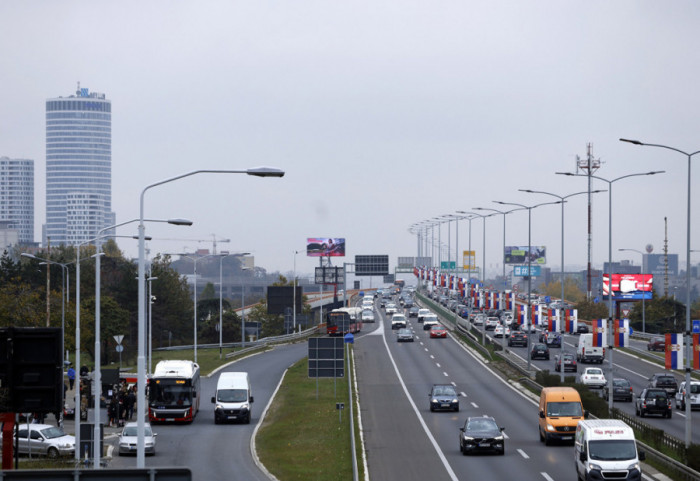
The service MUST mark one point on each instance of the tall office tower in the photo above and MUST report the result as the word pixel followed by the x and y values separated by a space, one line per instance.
pixel 78 167
pixel 17 196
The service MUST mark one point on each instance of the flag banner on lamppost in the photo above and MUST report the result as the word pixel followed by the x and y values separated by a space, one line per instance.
pixel 600 329
pixel 553 321
pixel 622 332
pixel 571 316
pixel 696 351
pixel 674 351
pixel 536 316
pixel 521 314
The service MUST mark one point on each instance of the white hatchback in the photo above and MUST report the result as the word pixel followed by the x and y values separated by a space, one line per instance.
pixel 593 377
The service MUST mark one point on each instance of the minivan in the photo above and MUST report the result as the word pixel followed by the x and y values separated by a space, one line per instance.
pixel 560 412
pixel 233 398
pixel 606 449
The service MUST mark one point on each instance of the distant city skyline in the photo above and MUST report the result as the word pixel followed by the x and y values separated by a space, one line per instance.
pixel 17 196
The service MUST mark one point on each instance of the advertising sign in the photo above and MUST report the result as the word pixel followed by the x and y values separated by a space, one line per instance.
pixel 372 265
pixel 468 260
pixel 629 286
pixel 519 255
pixel 325 246
pixel 521 271
pixel 329 275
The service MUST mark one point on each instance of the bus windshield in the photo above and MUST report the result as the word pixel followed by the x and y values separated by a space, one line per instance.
pixel 171 393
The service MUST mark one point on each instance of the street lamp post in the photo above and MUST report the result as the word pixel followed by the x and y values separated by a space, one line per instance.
pixel 221 297
pixel 562 198
pixel 141 362
pixel 529 265
pixel 243 269
pixel 294 293
pixel 644 283
pixel 150 280
pixel 610 293
pixel 688 334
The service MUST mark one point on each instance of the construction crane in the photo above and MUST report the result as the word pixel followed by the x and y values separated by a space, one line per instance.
pixel 215 241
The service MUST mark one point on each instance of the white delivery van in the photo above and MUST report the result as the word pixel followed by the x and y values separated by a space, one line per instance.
pixel 585 352
pixel 606 449
pixel 233 398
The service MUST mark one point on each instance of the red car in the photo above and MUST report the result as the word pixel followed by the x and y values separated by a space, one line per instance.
pixel 657 344
pixel 438 331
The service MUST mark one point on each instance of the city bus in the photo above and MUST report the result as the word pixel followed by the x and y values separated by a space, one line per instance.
pixel 340 321
pixel 174 392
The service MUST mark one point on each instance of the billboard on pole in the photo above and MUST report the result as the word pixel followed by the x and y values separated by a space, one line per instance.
pixel 629 286
pixel 468 262
pixel 325 246
pixel 519 255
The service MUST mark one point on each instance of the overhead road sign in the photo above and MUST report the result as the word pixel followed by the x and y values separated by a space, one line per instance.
pixel 377 265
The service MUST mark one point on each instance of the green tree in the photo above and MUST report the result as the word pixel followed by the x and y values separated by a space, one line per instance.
pixel 572 293
pixel 662 313
pixel 209 292
pixel 114 320
pixel 589 310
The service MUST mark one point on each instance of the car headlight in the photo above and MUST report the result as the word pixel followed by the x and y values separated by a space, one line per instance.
pixel 455 400
pixel 498 438
pixel 592 467
pixel 218 406
pixel 550 427
pixel 433 400
pixel 633 466
pixel 468 438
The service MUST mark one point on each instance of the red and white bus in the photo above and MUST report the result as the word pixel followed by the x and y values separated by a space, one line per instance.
pixel 341 321
pixel 174 392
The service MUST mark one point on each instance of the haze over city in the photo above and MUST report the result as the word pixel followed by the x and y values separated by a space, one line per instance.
pixel 382 114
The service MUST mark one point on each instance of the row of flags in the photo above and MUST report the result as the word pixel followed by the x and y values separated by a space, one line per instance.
pixel 551 319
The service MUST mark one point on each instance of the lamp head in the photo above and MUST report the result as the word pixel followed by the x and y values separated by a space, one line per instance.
pixel 180 221
pixel 635 142
pixel 265 172
pixel 26 254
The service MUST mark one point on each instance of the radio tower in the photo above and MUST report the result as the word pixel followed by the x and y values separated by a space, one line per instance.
pixel 589 165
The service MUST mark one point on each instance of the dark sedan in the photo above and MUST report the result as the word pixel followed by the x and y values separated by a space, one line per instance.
pixel 517 338
pixel 582 328
pixel 569 362
pixel 413 311
pixel 443 397
pixel 539 351
pixel 481 434
pixel 622 390
pixel 553 340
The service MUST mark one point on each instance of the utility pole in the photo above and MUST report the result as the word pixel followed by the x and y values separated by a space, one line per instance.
pixel 666 257
pixel 589 165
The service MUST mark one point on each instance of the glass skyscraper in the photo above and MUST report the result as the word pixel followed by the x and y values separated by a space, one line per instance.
pixel 78 167
pixel 17 196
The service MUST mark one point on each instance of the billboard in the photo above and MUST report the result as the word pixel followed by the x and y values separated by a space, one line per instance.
pixel 522 271
pixel 519 255
pixel 629 287
pixel 329 275
pixel 281 297
pixel 372 265
pixel 325 246
pixel 468 262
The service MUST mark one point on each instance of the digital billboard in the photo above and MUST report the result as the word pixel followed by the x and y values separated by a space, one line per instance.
pixel 518 255
pixel 325 246
pixel 629 286
pixel 372 265
pixel 522 271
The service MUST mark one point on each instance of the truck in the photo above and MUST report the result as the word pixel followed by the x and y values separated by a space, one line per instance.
pixel 586 352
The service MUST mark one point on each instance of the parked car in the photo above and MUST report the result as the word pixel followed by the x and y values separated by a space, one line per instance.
pixel 517 338
pixel 653 401
pixel 539 351
pixel 622 390
pixel 569 361
pixel 44 440
pixel 404 335
pixel 443 397
pixel 593 377
pixel 481 434
pixel 128 439
pixel 665 381
pixel 438 331
pixel 694 395
pixel 657 344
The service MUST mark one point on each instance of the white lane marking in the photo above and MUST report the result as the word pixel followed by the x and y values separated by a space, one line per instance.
pixel 421 343
pixel 522 453
pixel 437 364
pixel 476 406
pixel 440 454
pixel 463 394
pixel 505 435
pixel 547 476
pixel 426 349
pixel 678 413
pixel 446 375
pixel 453 383
pixel 432 357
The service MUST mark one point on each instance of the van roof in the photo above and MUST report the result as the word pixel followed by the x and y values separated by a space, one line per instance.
pixel 560 393
pixel 232 379
pixel 607 428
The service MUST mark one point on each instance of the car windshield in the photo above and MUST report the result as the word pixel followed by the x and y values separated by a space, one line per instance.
pixel 231 395
pixel 52 432
pixel 481 425
pixel 436 328
pixel 695 388
pixel 133 431
pixel 621 383
pixel 612 450
pixel 444 391
pixel 595 372
pixel 564 409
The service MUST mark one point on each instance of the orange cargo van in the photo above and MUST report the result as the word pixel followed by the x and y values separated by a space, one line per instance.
pixel 560 411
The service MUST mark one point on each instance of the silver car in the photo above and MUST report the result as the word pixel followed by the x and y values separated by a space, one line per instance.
pixel 129 438
pixel 404 335
pixel 45 440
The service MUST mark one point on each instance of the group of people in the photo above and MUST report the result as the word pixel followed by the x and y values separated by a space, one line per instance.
pixel 121 406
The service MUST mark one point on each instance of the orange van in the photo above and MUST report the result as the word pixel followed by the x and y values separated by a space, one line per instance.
pixel 560 411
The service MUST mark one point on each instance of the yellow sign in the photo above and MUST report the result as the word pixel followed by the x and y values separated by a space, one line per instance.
pixel 468 262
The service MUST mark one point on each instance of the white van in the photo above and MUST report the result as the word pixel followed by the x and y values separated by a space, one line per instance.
pixel 585 352
pixel 606 449
pixel 233 398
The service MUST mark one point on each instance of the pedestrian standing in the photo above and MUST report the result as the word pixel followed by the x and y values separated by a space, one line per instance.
pixel 130 401
pixel 71 377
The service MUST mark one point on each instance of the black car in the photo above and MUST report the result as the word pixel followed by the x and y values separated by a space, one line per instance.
pixel 539 351
pixel 622 390
pixel 413 311
pixel 569 362
pixel 517 338
pixel 481 434
pixel 443 397
pixel 665 381
pixel 653 401
pixel 582 328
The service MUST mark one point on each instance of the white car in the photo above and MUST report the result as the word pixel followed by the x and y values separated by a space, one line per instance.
pixel 593 377
pixel 492 323
pixel 367 315
pixel 422 313
pixel 694 395
pixel 479 319
pixel 498 332
pixel 429 321
pixel 390 308
pixel 129 438
pixel 44 440
pixel 398 321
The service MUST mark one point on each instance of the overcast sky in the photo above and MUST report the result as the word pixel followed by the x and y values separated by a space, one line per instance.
pixel 382 113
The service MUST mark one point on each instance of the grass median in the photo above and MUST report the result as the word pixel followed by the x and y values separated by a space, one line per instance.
pixel 304 436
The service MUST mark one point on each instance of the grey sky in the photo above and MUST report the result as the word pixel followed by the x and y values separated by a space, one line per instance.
pixel 382 114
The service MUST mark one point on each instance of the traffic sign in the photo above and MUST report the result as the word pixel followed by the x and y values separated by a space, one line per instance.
pixel 696 326
pixel 625 312
pixel 119 338
pixel 119 348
